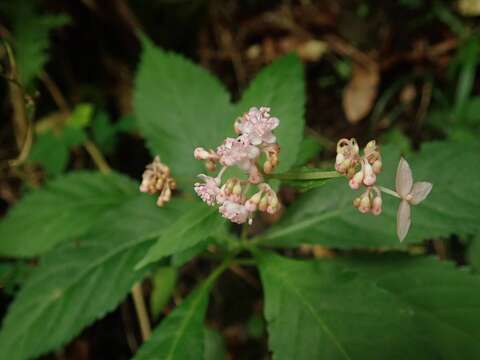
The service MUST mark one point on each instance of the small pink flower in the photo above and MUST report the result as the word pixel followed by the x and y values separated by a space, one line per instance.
pixel 234 212
pixel 410 194
pixel 370 177
pixel 258 125
pixel 237 152
pixel 209 190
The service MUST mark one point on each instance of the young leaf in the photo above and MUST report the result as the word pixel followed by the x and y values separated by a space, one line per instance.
pixel 326 215
pixel 180 106
pixel 181 335
pixel 192 227
pixel 281 87
pixel 62 210
pixel 370 308
pixel 82 281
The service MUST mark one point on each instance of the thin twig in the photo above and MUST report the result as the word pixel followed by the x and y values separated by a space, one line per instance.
pixel 141 310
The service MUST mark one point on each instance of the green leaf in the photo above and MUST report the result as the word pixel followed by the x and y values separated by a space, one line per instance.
pixel 309 148
pixel 179 106
pixel 163 281
pixel 181 335
pixel 31 33
pixel 384 307
pixel 194 226
pixel 83 280
pixel 50 151
pixel 63 210
pixel 81 116
pixel 281 87
pixel 214 345
pixel 326 216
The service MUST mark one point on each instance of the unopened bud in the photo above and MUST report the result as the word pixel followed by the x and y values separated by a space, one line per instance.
pixel 369 178
pixel 377 166
pixel 267 167
pixel 356 202
pixel 237 189
pixel 356 180
pixel 377 206
pixel 262 206
pixel 365 204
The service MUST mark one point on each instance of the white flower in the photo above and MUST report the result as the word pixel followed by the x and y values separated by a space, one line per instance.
pixel 258 125
pixel 410 194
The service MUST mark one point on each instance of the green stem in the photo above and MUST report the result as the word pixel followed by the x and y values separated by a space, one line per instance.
pixel 389 192
pixel 314 175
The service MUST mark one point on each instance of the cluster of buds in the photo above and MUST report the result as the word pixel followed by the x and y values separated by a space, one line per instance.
pixel 254 130
pixel 157 179
pixel 361 171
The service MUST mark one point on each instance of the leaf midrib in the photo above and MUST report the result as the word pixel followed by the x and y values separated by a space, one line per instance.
pixel 310 308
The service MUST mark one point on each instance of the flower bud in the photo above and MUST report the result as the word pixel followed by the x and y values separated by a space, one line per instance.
pixel 356 180
pixel 369 178
pixel 365 204
pixel 262 206
pixel 377 206
pixel 356 202
pixel 267 167
pixel 377 166
pixel 237 189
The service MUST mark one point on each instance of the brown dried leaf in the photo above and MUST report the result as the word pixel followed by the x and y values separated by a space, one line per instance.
pixel 361 92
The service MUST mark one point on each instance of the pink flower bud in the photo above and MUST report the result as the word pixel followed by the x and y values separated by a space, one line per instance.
pixel 377 166
pixel 356 180
pixel 369 178
pixel 377 206
pixel 365 204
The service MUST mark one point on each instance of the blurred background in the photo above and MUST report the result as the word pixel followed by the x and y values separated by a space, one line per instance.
pixel 402 71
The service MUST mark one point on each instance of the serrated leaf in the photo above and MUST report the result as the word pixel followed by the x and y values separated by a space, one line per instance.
pixel 313 312
pixel 181 335
pixel 308 149
pixel 180 106
pixel 192 227
pixel 374 308
pixel 83 280
pixel 326 215
pixel 51 152
pixel 281 87
pixel 31 33
pixel 63 210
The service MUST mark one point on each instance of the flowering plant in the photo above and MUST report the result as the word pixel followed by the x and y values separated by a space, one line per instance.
pixel 336 282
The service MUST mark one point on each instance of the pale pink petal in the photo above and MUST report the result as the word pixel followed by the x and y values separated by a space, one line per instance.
pixel 269 138
pixel 403 219
pixel 404 180
pixel 420 191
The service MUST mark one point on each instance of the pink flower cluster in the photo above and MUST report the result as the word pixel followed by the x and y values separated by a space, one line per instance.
pixel 254 129
pixel 361 171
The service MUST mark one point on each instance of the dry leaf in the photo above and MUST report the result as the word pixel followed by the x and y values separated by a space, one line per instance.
pixel 469 7
pixel 361 92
